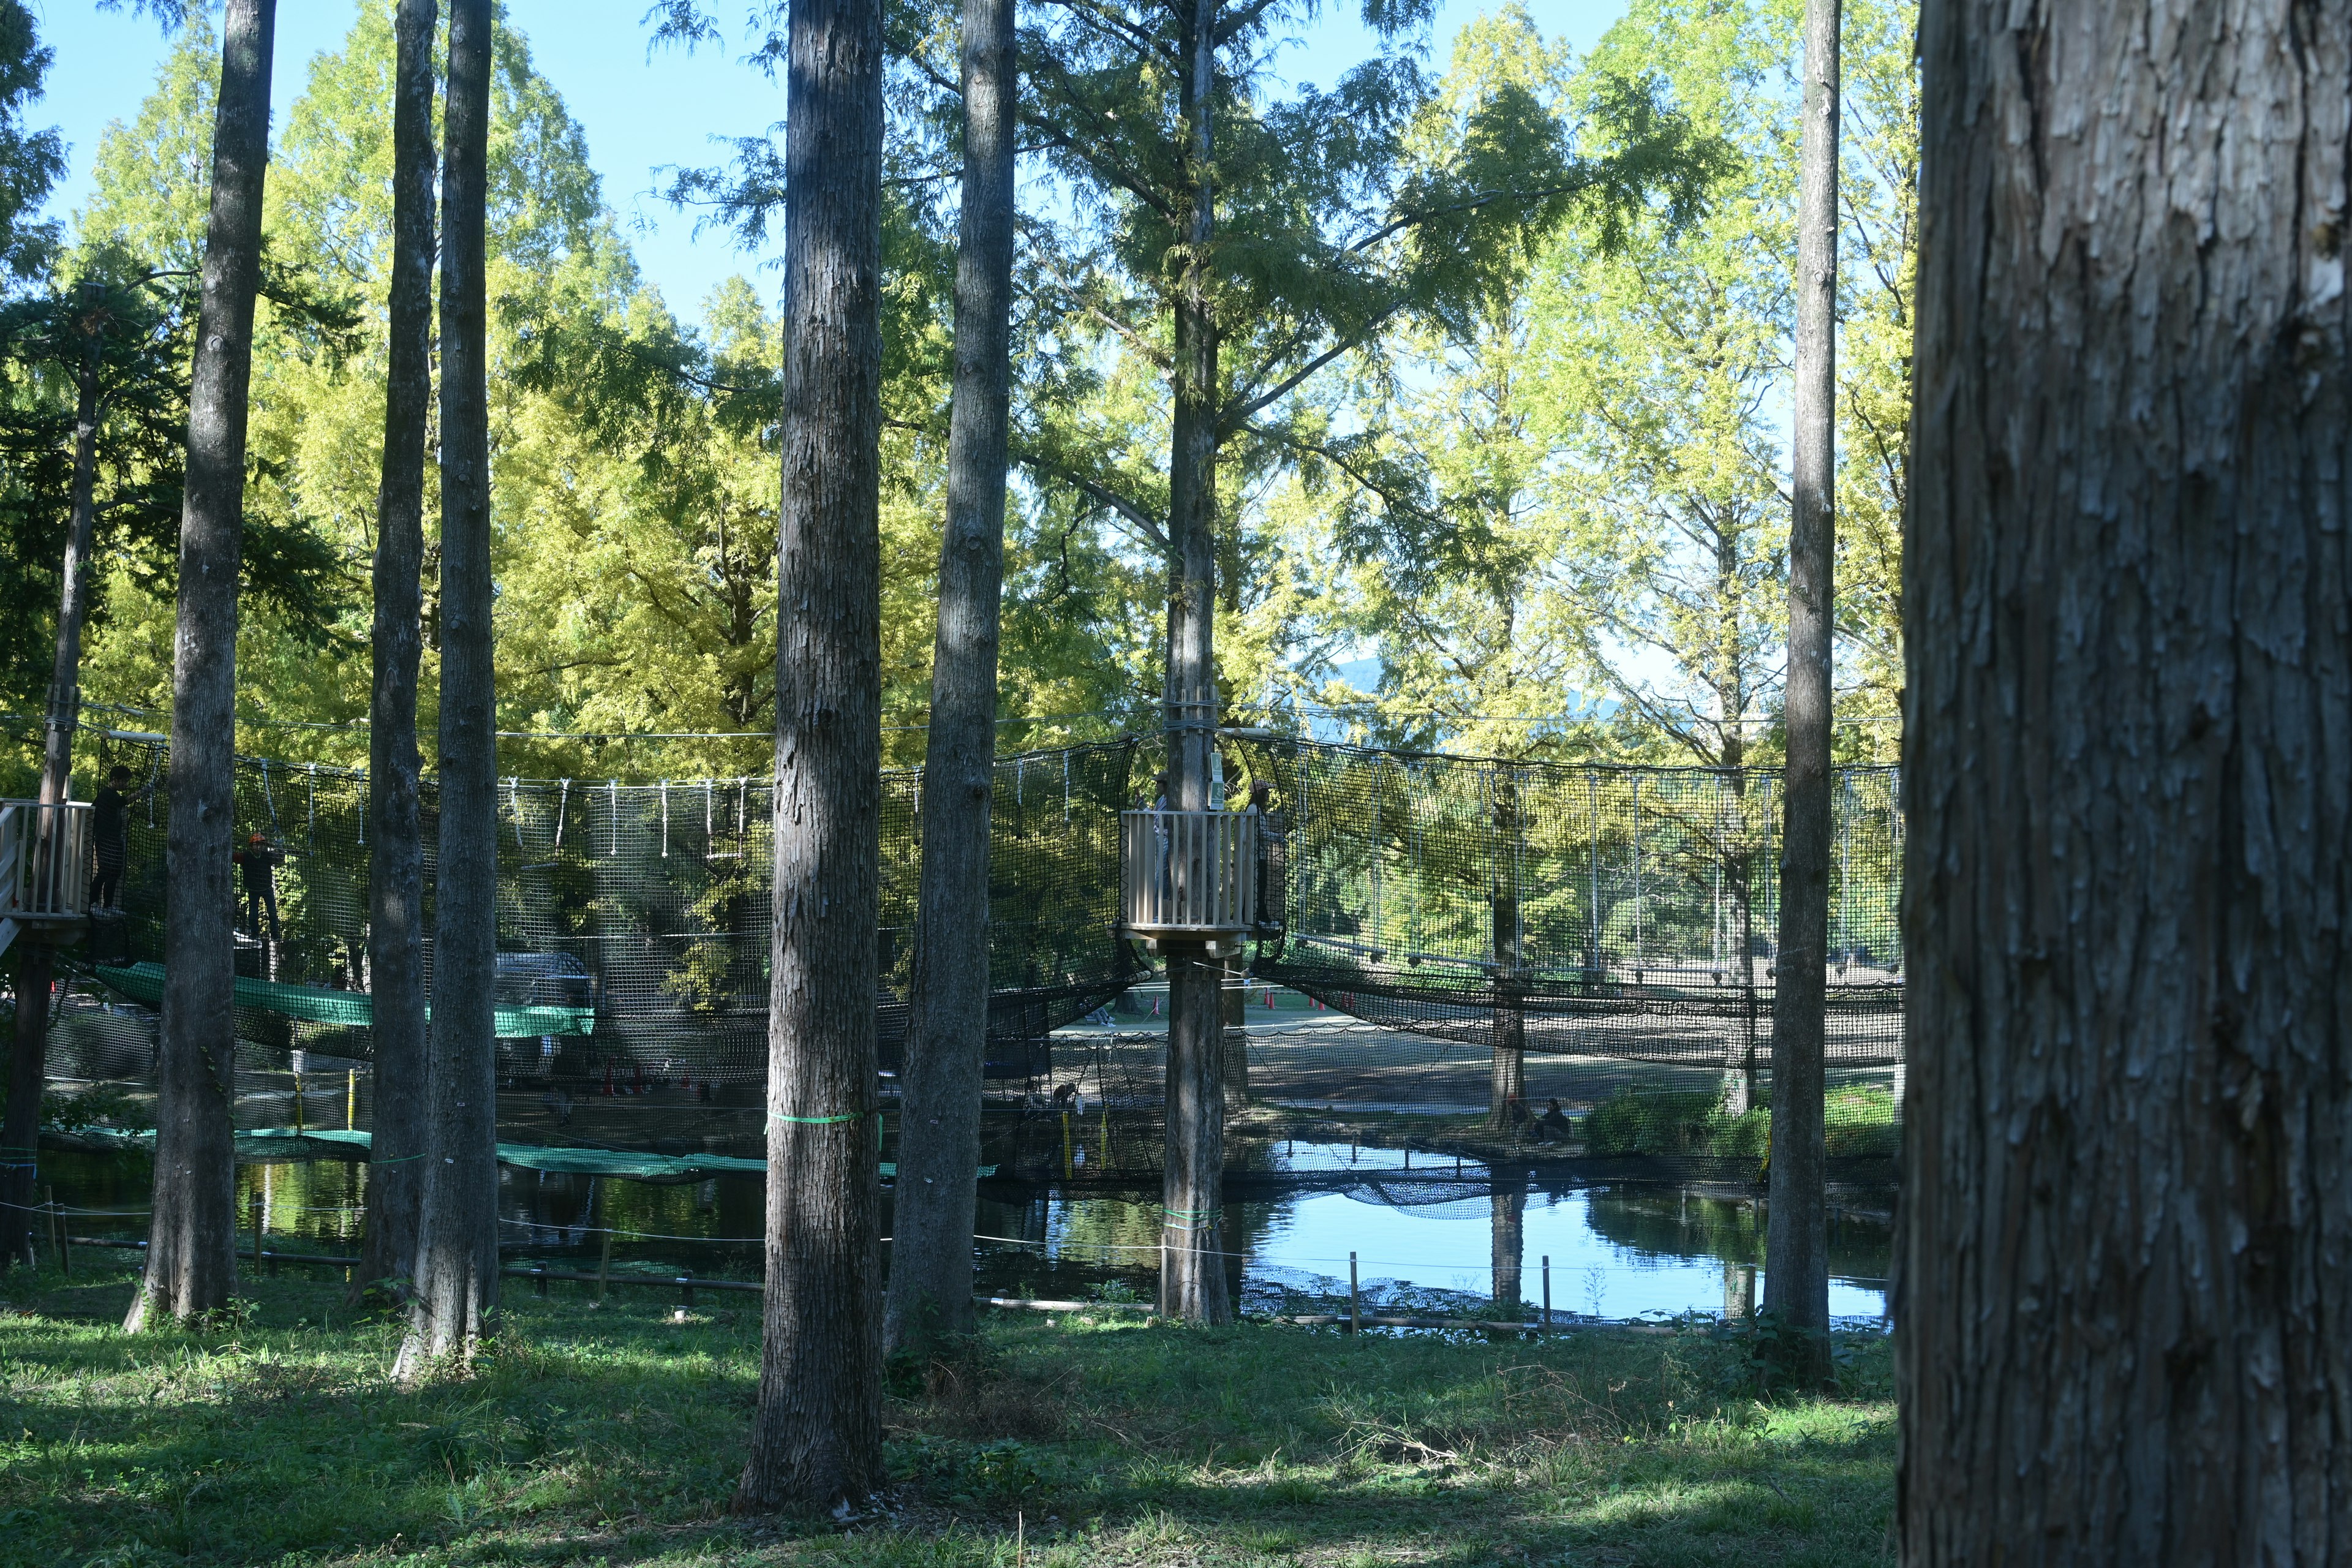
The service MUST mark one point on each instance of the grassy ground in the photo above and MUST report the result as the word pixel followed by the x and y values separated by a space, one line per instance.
pixel 614 1437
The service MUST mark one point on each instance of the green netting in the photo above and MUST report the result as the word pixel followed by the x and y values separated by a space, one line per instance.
pixel 270 1145
pixel 351 1009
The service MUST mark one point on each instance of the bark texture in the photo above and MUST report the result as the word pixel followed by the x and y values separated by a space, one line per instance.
pixel 1192 1284
pixel 190 1262
pixel 457 1272
pixel 938 1139
pixel 816 1438
pixel 36 962
pixel 2125 1265
pixel 396 849
pixel 1796 1246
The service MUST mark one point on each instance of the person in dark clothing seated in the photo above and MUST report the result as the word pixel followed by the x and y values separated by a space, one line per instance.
pixel 109 824
pixel 1551 1127
pixel 259 861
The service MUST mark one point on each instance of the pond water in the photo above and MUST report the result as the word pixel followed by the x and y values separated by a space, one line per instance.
pixel 1430 1242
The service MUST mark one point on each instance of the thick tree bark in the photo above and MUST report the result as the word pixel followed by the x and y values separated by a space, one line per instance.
pixel 816 1438
pixel 457 1257
pixel 36 962
pixel 938 1141
pixel 1191 1282
pixel 395 851
pixel 1796 1246
pixel 190 1262
pixel 2123 1270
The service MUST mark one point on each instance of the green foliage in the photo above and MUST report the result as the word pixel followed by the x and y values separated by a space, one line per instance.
pixel 1572 505
pixel 1656 1121
pixel 1859 1123
pixel 108 1106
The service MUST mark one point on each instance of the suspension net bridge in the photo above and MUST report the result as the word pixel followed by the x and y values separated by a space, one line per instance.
pixel 1450 960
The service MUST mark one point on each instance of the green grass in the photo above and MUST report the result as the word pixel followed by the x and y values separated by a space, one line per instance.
pixel 614 1437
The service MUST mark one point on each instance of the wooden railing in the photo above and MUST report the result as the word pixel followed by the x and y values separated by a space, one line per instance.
pixel 45 864
pixel 1187 875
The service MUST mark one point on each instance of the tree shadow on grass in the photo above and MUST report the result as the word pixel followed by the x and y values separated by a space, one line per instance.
pixel 617 1435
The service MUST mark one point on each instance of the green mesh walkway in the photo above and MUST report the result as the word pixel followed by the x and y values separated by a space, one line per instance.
pixel 352 1009
pixel 271 1144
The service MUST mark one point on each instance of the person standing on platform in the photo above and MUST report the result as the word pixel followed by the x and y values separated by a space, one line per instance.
pixel 259 861
pixel 109 824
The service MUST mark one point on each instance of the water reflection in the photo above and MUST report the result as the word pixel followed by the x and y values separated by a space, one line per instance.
pixel 1425 1238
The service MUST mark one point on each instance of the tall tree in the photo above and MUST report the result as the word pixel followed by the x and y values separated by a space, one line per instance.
pixel 1192 1277
pixel 1238 247
pixel 37 960
pixel 191 1263
pixel 940 1083
pixel 457 1272
pixel 396 849
pixel 816 1437
pixel 29 166
pixel 2122 1282
pixel 1796 1277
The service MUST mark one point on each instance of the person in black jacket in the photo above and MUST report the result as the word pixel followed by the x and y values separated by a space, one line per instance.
pixel 259 861
pixel 109 837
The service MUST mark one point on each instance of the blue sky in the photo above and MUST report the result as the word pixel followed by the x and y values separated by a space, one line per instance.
pixel 639 115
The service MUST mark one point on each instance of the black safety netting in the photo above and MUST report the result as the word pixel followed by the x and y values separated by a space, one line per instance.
pixel 1569 961
pixel 1463 964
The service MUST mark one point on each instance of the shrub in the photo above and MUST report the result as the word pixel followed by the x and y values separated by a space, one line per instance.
pixel 1652 1122
pixel 1859 1123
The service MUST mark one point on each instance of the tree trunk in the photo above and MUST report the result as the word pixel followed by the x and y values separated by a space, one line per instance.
pixel 20 1134
pixel 27 1078
pixel 1191 1285
pixel 395 852
pixel 1233 1013
pixel 816 1438
pixel 457 1256
pixel 2122 1278
pixel 1506 1078
pixel 1796 1248
pixel 947 1027
pixel 190 1261
pixel 1737 855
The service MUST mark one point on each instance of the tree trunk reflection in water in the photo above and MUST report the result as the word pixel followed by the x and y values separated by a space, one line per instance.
pixel 1509 1194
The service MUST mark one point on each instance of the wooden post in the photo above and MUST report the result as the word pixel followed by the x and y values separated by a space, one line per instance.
pixel 539 1279
pixel 58 1231
pixel 1066 1145
pixel 1355 1303
pixel 298 1128
pixel 605 1266
pixel 352 1100
pixel 1546 1293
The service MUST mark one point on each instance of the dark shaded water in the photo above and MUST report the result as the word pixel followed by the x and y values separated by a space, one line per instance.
pixel 1618 1251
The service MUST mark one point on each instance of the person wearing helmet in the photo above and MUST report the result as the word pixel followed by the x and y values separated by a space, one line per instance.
pixel 259 861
